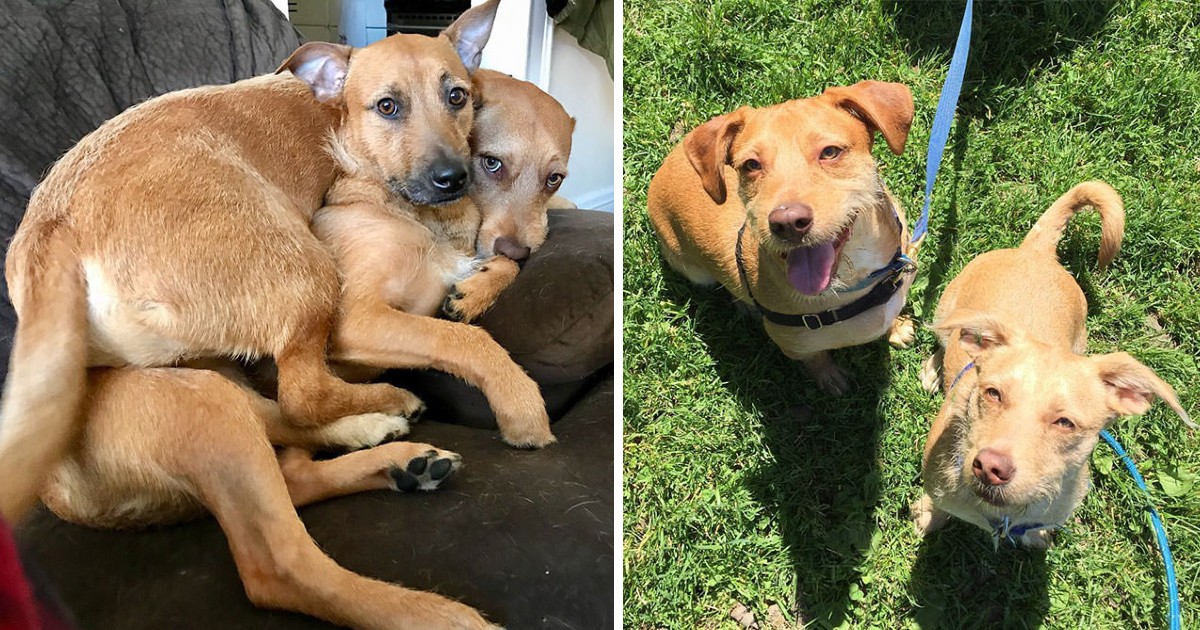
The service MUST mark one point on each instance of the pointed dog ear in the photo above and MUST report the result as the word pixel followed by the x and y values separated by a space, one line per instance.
pixel 470 33
pixel 1132 387
pixel 884 107
pixel 978 334
pixel 322 66
pixel 707 148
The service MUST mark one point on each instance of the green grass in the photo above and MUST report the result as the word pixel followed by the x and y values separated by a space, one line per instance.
pixel 744 484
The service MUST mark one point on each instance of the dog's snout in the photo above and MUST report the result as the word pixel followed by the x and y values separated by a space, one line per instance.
pixel 511 249
pixel 791 222
pixel 448 175
pixel 993 467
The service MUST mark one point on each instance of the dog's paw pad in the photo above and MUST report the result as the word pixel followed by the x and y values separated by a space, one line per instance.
pixel 425 472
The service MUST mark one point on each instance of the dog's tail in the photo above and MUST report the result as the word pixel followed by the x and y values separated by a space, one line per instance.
pixel 47 376
pixel 1048 230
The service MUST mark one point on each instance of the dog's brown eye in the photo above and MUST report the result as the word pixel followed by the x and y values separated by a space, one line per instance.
pixel 1064 423
pixel 751 166
pixel 457 97
pixel 554 180
pixel 992 393
pixel 830 153
pixel 492 164
pixel 387 108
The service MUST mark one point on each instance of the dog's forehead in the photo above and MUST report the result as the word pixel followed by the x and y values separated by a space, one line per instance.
pixel 801 122
pixel 404 60
pixel 518 118
pixel 1048 382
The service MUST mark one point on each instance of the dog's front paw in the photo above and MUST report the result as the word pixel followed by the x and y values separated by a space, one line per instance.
pixel 1038 538
pixel 931 373
pixel 472 297
pixel 925 517
pixel 902 333
pixel 426 471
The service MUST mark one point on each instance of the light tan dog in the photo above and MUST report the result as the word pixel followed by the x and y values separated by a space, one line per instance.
pixel 794 188
pixel 167 444
pixel 180 229
pixel 1024 405
pixel 400 264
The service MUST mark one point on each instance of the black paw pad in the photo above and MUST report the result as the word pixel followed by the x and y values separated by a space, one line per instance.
pixel 418 412
pixel 418 465
pixel 440 469
pixel 405 481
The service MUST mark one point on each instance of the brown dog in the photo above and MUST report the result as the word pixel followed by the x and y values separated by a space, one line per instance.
pixel 399 262
pixel 810 225
pixel 1024 405
pixel 132 254
pixel 165 445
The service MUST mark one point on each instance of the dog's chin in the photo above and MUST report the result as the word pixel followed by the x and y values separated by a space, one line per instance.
pixel 421 195
pixel 991 495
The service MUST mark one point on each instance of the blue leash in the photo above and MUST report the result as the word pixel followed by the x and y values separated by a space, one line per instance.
pixel 944 116
pixel 1174 615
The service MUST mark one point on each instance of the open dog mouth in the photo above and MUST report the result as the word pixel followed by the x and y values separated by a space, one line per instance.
pixel 811 269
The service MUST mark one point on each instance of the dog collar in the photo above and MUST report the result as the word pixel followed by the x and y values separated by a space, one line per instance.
pixel 1005 529
pixel 887 281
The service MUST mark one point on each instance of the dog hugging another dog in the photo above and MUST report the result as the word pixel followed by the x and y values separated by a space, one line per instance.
pixel 318 217
pixel 784 206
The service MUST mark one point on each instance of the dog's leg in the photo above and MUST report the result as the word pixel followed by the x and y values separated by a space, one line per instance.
pixel 186 437
pixel 380 336
pixel 925 517
pixel 310 395
pixel 902 332
pixel 931 372
pixel 828 375
pixel 473 296
pixel 400 466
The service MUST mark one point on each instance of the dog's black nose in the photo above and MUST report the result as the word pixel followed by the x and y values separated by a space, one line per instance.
pixel 791 222
pixel 448 175
pixel 511 249
pixel 993 467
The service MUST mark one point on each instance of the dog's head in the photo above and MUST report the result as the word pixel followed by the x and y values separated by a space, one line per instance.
pixel 1035 411
pixel 406 103
pixel 804 171
pixel 520 147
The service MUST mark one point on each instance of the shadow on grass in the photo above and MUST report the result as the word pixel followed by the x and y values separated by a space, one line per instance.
pixel 1009 40
pixel 823 480
pixel 959 581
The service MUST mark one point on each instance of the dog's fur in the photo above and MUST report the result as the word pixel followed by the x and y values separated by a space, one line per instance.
pixel 162 437
pixel 1014 435
pixel 139 462
pixel 771 158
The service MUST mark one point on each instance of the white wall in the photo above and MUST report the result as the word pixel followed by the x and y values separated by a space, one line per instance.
pixel 580 81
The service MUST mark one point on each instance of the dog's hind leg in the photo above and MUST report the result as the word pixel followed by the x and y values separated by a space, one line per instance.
pixel 399 466
pixel 195 438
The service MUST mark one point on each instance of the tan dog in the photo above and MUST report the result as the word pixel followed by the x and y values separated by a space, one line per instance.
pixel 180 229
pixel 133 254
pixel 399 262
pixel 165 445
pixel 811 215
pixel 1024 405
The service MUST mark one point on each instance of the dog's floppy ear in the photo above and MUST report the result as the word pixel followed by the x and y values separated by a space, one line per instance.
pixel 707 148
pixel 322 66
pixel 978 334
pixel 885 107
pixel 1132 387
pixel 470 33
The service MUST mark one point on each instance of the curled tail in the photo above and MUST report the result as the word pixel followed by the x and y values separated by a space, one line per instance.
pixel 1048 230
pixel 47 376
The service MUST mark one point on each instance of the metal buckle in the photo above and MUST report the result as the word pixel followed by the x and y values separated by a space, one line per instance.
pixel 816 319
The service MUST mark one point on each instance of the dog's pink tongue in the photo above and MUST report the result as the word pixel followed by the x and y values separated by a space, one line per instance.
pixel 809 268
